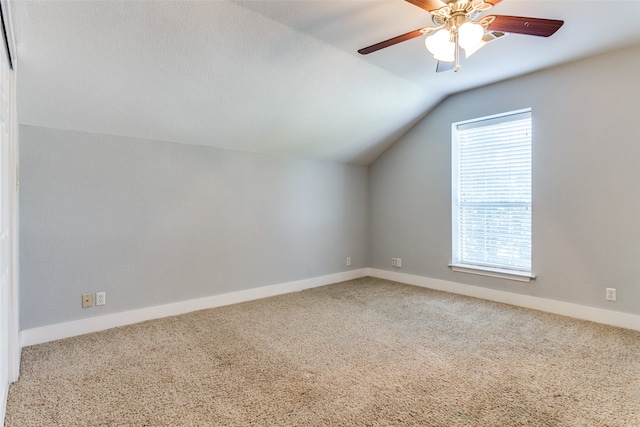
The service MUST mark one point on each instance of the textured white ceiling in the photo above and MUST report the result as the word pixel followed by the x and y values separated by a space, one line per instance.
pixel 269 76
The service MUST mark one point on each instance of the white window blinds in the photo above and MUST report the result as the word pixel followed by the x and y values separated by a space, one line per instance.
pixel 492 192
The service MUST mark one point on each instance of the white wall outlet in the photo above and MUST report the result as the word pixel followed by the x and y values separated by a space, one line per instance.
pixel 87 300
pixel 393 262
pixel 398 262
pixel 611 294
pixel 348 261
pixel 101 298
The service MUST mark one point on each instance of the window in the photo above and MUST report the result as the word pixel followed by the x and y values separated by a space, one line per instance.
pixel 491 195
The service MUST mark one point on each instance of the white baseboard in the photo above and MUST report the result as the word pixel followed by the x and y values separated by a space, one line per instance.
pixel 599 315
pixel 99 323
pixel 94 324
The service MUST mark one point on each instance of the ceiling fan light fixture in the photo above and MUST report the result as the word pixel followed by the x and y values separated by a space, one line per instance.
pixel 441 46
pixel 470 35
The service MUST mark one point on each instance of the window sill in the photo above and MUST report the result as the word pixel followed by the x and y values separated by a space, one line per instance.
pixel 519 276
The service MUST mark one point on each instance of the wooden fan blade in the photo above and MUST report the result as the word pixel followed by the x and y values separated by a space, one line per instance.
pixel 522 25
pixel 492 2
pixel 428 5
pixel 445 66
pixel 395 40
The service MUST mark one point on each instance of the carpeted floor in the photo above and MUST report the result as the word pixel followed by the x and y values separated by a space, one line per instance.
pixel 367 352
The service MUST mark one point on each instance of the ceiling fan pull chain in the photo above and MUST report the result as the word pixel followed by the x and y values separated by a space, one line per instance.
pixel 457 46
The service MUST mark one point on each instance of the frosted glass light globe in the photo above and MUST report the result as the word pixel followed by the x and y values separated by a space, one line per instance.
pixel 470 34
pixel 440 46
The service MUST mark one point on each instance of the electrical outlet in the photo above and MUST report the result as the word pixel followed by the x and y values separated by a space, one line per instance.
pixel 87 300
pixel 101 298
pixel 393 262
pixel 611 294
pixel 398 262
pixel 348 261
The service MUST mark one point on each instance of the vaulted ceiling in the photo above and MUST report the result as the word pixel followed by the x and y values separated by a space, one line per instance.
pixel 278 77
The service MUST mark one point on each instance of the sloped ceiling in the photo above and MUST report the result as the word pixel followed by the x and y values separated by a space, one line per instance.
pixel 279 77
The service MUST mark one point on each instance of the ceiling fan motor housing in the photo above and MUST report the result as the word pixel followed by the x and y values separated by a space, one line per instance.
pixel 457 12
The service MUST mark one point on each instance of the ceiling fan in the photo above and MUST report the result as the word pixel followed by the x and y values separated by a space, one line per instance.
pixel 458 25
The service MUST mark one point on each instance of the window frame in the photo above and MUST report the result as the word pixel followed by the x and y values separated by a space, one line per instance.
pixel 458 265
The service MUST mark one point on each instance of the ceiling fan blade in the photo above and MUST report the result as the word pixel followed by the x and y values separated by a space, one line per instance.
pixel 429 5
pixel 522 25
pixel 395 40
pixel 445 66
pixel 492 2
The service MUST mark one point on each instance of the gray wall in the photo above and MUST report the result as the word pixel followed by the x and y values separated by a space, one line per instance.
pixel 152 222
pixel 586 184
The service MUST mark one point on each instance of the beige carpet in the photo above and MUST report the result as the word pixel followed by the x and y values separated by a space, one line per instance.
pixel 366 352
